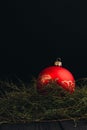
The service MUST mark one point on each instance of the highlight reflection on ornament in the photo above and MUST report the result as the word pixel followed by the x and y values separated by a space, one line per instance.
pixel 61 75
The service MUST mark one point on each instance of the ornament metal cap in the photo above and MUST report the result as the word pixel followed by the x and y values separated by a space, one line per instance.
pixel 58 62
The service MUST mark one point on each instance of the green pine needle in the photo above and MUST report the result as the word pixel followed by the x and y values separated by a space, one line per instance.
pixel 20 102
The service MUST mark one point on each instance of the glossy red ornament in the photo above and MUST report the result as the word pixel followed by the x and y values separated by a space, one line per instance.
pixel 61 75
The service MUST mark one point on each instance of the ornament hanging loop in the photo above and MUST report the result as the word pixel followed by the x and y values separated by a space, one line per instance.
pixel 58 62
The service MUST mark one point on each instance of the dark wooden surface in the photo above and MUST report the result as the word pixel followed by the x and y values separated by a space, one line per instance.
pixel 54 125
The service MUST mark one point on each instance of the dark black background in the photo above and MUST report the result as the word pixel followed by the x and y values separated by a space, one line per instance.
pixel 36 32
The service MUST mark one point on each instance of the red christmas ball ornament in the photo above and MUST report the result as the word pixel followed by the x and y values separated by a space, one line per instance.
pixel 61 75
